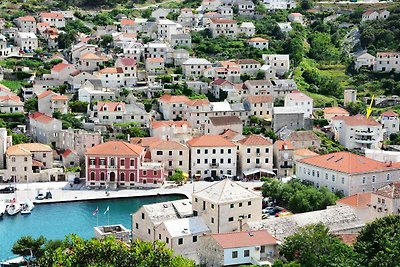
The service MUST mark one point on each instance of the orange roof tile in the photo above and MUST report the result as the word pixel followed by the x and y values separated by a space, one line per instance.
pixel 110 70
pixel 222 20
pixel 68 152
pixel 173 98
pixel 305 152
pixel 298 96
pixel 244 239
pixel 389 113
pixel 59 97
pixel 347 162
pixel 210 141
pixel 127 22
pixel 336 110
pixel 144 141
pixel 172 145
pixel 14 98
pixel 198 102
pixel 357 200
pixel 51 15
pixel 229 134
pixel 46 93
pixel 280 144
pixel 115 148
pixel 91 56
pixel 356 120
pixel 155 60
pixel 41 117
pixel 27 18
pixel 126 61
pixel 257 39
pixel 60 67
pixel 111 106
pixel 255 140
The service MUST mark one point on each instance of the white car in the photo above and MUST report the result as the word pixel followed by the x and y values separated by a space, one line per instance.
pixel 40 196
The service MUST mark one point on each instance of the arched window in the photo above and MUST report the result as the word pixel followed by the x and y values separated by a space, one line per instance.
pixel 122 176
pixel 132 177
pixel 102 176
pixel 92 176
pixel 112 162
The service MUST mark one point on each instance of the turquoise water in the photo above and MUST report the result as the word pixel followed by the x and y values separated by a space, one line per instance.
pixel 54 221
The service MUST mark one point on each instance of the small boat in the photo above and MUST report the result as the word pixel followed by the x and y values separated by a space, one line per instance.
pixel 2 209
pixel 13 209
pixel 27 207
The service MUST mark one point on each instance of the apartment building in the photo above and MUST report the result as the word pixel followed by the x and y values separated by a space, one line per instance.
pixel 347 172
pixel 54 19
pixel 26 40
pixel 44 129
pixel 172 107
pixel 180 131
pixel 194 67
pixel 50 102
pixel 26 24
pixel 255 156
pixel 212 155
pixel 357 132
pixel 387 61
pixel 78 140
pixel 119 164
pixel 280 63
pixel 222 26
pixel 283 158
pixel 390 122
pixel 171 154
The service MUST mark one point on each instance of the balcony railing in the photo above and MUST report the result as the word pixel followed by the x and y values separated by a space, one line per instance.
pixel 214 165
pixel 286 166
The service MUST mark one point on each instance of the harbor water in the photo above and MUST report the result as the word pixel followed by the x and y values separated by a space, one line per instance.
pixel 56 220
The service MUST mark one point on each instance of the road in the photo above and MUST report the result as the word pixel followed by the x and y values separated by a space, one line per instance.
pixel 62 192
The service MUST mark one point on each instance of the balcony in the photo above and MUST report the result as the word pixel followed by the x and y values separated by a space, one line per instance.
pixel 367 133
pixel 364 141
pixel 286 166
pixel 214 165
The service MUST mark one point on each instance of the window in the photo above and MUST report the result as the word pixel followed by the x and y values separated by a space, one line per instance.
pixel 122 162
pixel 180 241
pixel 232 206
pixel 132 162
pixel 388 177
pixel 248 151
pixel 373 178
pixel 234 254
pixel 240 204
pixel 246 253
pixel 249 216
pixel 194 239
pixel 167 240
pixel 363 180
pixel 137 226
pixel 149 231
pixel 142 216
pixel 212 220
pixel 13 159
pixel 333 178
pixel 230 219
pixel 212 206
pixel 249 203
pixel 159 153
pixel 342 180
pixel 44 155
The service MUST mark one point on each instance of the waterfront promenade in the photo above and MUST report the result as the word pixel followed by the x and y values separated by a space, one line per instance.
pixel 62 191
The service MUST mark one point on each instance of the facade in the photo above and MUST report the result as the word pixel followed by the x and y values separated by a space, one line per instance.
pixel 390 122
pixel 78 140
pixel 346 172
pixel 296 17
pixel 212 155
pixel 280 63
pixel 155 66
pixel 26 24
pixel 387 62
pixel 304 139
pixel 11 104
pixel 374 15
pixel 279 4
pixel 331 112
pixel 172 107
pixel 260 106
pixel 194 67
pixel 357 132
pixel 258 42
pixel 172 155
pixel 255 155
pixel 364 59
pixel 226 206
pixel 119 164
pixel 44 129
pixel 238 248
pixel 50 102
pixel 180 131
pixel 283 158
pixel 386 200
pixel 218 125
pixel 26 40
pixel 248 66
pixel 54 19
pixel 289 118
pixel 225 27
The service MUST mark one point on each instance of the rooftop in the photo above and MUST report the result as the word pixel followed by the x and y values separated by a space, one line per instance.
pixel 160 212
pixel 173 98
pixel 226 191
pixel 349 163
pixel 303 136
pixel 357 120
pixel 210 141
pixel 186 226
pixel 27 149
pixel 115 148
pixel 244 239
pixel 336 219
pixel 298 96
pixel 336 110
pixel 225 120
pixel 358 200
pixel 391 190
pixel 255 140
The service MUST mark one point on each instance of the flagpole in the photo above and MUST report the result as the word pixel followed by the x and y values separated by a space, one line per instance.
pixel 97 215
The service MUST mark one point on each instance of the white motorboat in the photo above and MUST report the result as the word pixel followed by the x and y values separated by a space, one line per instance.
pixel 2 209
pixel 13 209
pixel 27 207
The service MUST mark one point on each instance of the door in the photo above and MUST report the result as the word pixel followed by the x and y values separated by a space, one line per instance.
pixel 213 173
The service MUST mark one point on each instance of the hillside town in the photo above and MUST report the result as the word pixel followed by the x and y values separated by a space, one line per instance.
pixel 227 102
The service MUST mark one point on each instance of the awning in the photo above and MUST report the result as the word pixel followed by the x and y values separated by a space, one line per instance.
pixel 257 170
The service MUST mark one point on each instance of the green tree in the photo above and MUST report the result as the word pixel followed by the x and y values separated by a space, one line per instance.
pixel 77 252
pixel 178 176
pixel 313 245
pixel 378 244
pixel 78 106
pixel 29 246
pixel 106 40
pixel 31 104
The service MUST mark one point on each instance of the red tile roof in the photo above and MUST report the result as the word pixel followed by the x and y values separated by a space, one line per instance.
pixel 298 96
pixel 155 60
pixel 144 141
pixel 41 117
pixel 244 239
pixel 357 200
pixel 68 152
pixel 222 20
pixel 198 102
pixel 46 93
pixel 126 61
pixel 51 15
pixel 280 144
pixel 110 70
pixel 172 145
pixel 260 99
pixel 336 110
pixel 127 22
pixel 391 190
pixel 389 113
pixel 257 39
pixel 356 120
pixel 14 98
pixel 111 106
pixel 173 98
pixel 60 67
pixel 255 140
pixel 210 141
pixel 349 163
pixel 27 18
pixel 115 148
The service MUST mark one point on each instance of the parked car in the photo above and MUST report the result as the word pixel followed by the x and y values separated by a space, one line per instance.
pixel 40 196
pixel 268 210
pixel 209 179
pixel 7 190
pixel 217 178
pixel 49 195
